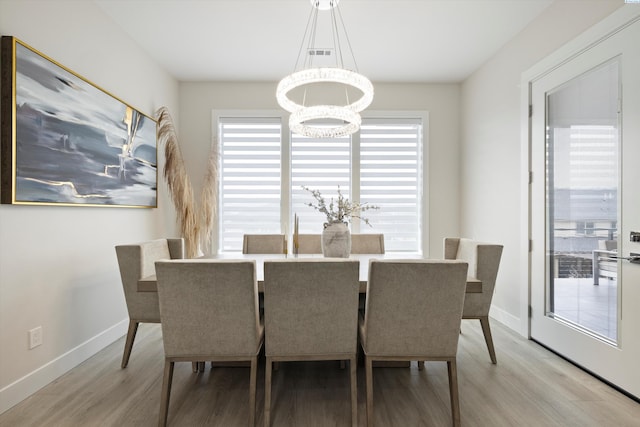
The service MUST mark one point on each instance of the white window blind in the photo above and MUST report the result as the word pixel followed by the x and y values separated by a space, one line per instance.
pixel 250 179
pixel 319 164
pixel 380 165
pixel 391 177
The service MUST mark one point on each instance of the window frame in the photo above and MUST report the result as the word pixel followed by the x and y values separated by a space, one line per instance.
pixel 286 215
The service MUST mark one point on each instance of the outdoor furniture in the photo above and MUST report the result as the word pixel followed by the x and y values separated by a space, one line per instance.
pixel 605 261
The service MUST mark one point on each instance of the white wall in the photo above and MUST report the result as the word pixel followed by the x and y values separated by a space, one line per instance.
pixel 492 175
pixel 58 266
pixel 197 100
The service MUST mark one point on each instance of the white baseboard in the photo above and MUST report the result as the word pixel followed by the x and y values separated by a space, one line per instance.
pixel 24 387
pixel 507 319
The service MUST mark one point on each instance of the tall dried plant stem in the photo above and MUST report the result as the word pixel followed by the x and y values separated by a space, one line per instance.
pixel 178 182
pixel 208 199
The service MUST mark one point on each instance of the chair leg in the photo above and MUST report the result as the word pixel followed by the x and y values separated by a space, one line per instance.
pixel 267 392
pixel 486 330
pixel 128 345
pixel 252 391
pixel 166 392
pixel 368 366
pixel 453 392
pixel 420 365
pixel 354 391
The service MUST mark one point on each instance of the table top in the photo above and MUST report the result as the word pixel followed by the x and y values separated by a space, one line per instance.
pixel 149 283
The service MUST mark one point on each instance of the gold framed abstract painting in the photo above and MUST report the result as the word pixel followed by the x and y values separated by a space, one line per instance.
pixel 65 141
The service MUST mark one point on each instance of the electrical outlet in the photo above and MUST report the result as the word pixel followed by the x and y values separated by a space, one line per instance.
pixel 35 337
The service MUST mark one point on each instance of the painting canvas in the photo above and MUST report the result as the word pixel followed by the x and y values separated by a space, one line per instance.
pixel 65 141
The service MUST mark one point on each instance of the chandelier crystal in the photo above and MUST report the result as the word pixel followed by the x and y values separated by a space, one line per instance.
pixel 324 120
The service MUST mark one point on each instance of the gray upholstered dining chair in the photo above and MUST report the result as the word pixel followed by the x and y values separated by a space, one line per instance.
pixel 367 243
pixel 264 244
pixel 311 313
pixel 484 261
pixel 413 308
pixel 135 262
pixel 360 243
pixel 309 243
pixel 209 311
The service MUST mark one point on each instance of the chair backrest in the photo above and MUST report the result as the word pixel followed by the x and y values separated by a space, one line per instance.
pixel 310 306
pixel 309 243
pixel 208 307
pixel 264 244
pixel 608 245
pixel 367 243
pixel 138 260
pixel 484 261
pixel 414 307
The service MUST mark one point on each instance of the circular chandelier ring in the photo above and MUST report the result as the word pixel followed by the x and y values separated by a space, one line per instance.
pixel 324 75
pixel 322 112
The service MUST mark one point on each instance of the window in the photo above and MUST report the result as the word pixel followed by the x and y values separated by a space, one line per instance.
pixel 249 179
pixel 320 164
pixel 391 177
pixel 263 169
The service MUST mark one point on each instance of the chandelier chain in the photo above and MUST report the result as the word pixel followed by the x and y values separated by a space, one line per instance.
pixel 336 39
pixel 306 31
pixel 346 35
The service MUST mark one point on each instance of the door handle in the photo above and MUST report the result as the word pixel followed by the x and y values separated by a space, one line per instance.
pixel 633 258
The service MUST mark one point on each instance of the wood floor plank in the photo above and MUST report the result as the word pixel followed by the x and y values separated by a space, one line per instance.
pixel 529 386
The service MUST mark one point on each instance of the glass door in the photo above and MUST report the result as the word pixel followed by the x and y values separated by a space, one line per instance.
pixel 585 208
pixel 582 173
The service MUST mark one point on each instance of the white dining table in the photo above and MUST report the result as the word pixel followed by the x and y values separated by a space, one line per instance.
pixel 149 283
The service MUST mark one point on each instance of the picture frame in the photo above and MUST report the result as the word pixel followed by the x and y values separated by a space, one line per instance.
pixel 66 141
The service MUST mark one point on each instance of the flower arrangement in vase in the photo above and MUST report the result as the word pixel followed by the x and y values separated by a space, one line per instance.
pixel 336 237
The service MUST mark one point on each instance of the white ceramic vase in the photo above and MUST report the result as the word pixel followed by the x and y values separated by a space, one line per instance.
pixel 336 240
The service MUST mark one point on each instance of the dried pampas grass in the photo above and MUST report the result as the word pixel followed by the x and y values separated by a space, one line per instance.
pixel 208 199
pixel 194 227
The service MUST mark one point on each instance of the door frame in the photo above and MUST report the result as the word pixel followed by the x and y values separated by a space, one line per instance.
pixel 614 23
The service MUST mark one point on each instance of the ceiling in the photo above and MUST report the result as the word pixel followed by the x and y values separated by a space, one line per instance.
pixel 258 40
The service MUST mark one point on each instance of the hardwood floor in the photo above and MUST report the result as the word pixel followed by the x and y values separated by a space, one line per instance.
pixel 528 387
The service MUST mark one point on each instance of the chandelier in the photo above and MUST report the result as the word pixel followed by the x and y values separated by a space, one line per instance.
pixel 295 92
